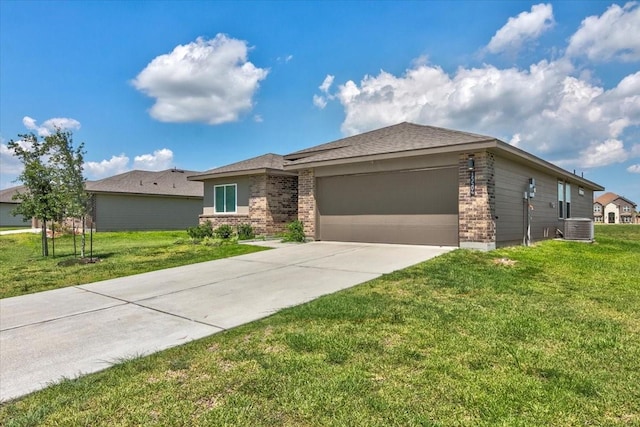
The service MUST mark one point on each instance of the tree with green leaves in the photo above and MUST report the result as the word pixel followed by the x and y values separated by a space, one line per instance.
pixel 52 177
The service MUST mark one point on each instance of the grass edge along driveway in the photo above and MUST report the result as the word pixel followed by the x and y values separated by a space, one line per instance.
pixel 547 335
pixel 23 270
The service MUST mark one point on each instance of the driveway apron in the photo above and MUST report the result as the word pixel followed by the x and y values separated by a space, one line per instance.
pixel 64 333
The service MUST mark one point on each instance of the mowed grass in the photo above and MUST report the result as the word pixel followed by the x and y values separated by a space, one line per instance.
pixel 23 270
pixel 465 339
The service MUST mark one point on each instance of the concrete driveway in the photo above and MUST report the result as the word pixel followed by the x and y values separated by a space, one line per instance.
pixel 81 329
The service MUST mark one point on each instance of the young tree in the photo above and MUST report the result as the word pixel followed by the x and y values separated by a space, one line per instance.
pixel 52 177
pixel 39 200
pixel 68 162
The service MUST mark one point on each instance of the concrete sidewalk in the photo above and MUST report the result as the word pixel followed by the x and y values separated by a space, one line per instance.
pixel 80 329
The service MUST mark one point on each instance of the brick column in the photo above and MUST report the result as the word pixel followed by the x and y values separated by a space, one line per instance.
pixel 282 202
pixel 307 201
pixel 258 203
pixel 476 213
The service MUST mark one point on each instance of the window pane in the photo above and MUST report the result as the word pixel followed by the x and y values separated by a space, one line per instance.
pixel 568 210
pixel 560 199
pixel 219 199
pixel 230 202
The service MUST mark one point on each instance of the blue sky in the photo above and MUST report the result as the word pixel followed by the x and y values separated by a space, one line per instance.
pixel 196 85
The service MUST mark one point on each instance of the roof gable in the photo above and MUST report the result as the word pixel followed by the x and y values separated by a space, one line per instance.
pixel 609 197
pixel 403 137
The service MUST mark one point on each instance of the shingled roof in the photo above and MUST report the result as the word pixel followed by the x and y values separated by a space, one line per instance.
pixel 6 195
pixel 170 182
pixel 267 163
pixel 400 138
pixel 609 197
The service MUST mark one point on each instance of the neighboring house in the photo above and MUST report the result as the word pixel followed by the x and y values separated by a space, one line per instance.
pixel 145 200
pixel 405 183
pixel 256 191
pixel 7 205
pixel 610 208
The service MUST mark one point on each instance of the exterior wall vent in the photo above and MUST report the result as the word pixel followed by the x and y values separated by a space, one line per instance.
pixel 578 229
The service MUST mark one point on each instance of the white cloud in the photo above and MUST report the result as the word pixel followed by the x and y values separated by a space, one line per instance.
pixel 258 118
pixel 542 109
pixel 634 168
pixel 105 168
pixel 319 101
pixel 603 154
pixel 326 83
pixel 526 26
pixel 612 36
pixel 159 160
pixel 50 126
pixel 207 81
pixel 9 163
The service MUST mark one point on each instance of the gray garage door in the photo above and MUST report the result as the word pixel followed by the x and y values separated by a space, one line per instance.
pixel 413 207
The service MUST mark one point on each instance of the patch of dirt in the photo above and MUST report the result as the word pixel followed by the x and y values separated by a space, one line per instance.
pixel 504 261
pixel 78 261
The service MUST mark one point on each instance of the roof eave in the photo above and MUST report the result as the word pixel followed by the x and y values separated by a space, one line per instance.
pixel 247 172
pixel 490 143
pixel 130 193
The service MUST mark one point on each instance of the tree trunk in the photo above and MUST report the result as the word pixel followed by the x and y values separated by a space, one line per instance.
pixel 83 241
pixel 75 250
pixel 45 242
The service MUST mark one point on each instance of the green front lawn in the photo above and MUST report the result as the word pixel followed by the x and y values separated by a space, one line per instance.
pixel 23 270
pixel 546 335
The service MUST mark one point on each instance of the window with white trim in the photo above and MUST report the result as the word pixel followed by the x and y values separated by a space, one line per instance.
pixel 626 209
pixel 564 199
pixel 597 208
pixel 225 198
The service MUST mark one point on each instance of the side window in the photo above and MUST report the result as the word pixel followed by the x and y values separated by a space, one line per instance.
pixel 560 199
pixel 567 200
pixel 225 198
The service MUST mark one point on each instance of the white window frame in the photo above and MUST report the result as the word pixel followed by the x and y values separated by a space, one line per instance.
pixel 597 208
pixel 626 208
pixel 224 205
pixel 564 199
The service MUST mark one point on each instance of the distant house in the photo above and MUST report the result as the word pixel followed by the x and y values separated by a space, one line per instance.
pixel 7 205
pixel 405 183
pixel 611 208
pixel 145 200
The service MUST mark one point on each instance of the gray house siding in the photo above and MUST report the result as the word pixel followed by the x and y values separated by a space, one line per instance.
pixel 135 212
pixel 8 220
pixel 512 180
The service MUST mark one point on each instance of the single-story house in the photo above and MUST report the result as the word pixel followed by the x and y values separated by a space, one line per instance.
pixel 146 200
pixel 7 205
pixel 405 183
pixel 610 208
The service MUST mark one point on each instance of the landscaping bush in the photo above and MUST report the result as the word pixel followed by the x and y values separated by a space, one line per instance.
pixel 201 231
pixel 224 232
pixel 295 232
pixel 245 232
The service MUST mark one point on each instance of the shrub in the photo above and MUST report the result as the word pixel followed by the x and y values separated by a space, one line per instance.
pixel 224 232
pixel 201 231
pixel 245 232
pixel 295 232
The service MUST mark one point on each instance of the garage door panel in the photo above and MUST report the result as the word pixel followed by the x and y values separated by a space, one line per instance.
pixel 413 207
pixel 413 192
pixel 406 229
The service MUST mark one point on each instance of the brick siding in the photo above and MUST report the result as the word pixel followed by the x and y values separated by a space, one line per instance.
pixel 273 202
pixel 476 222
pixel 307 201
